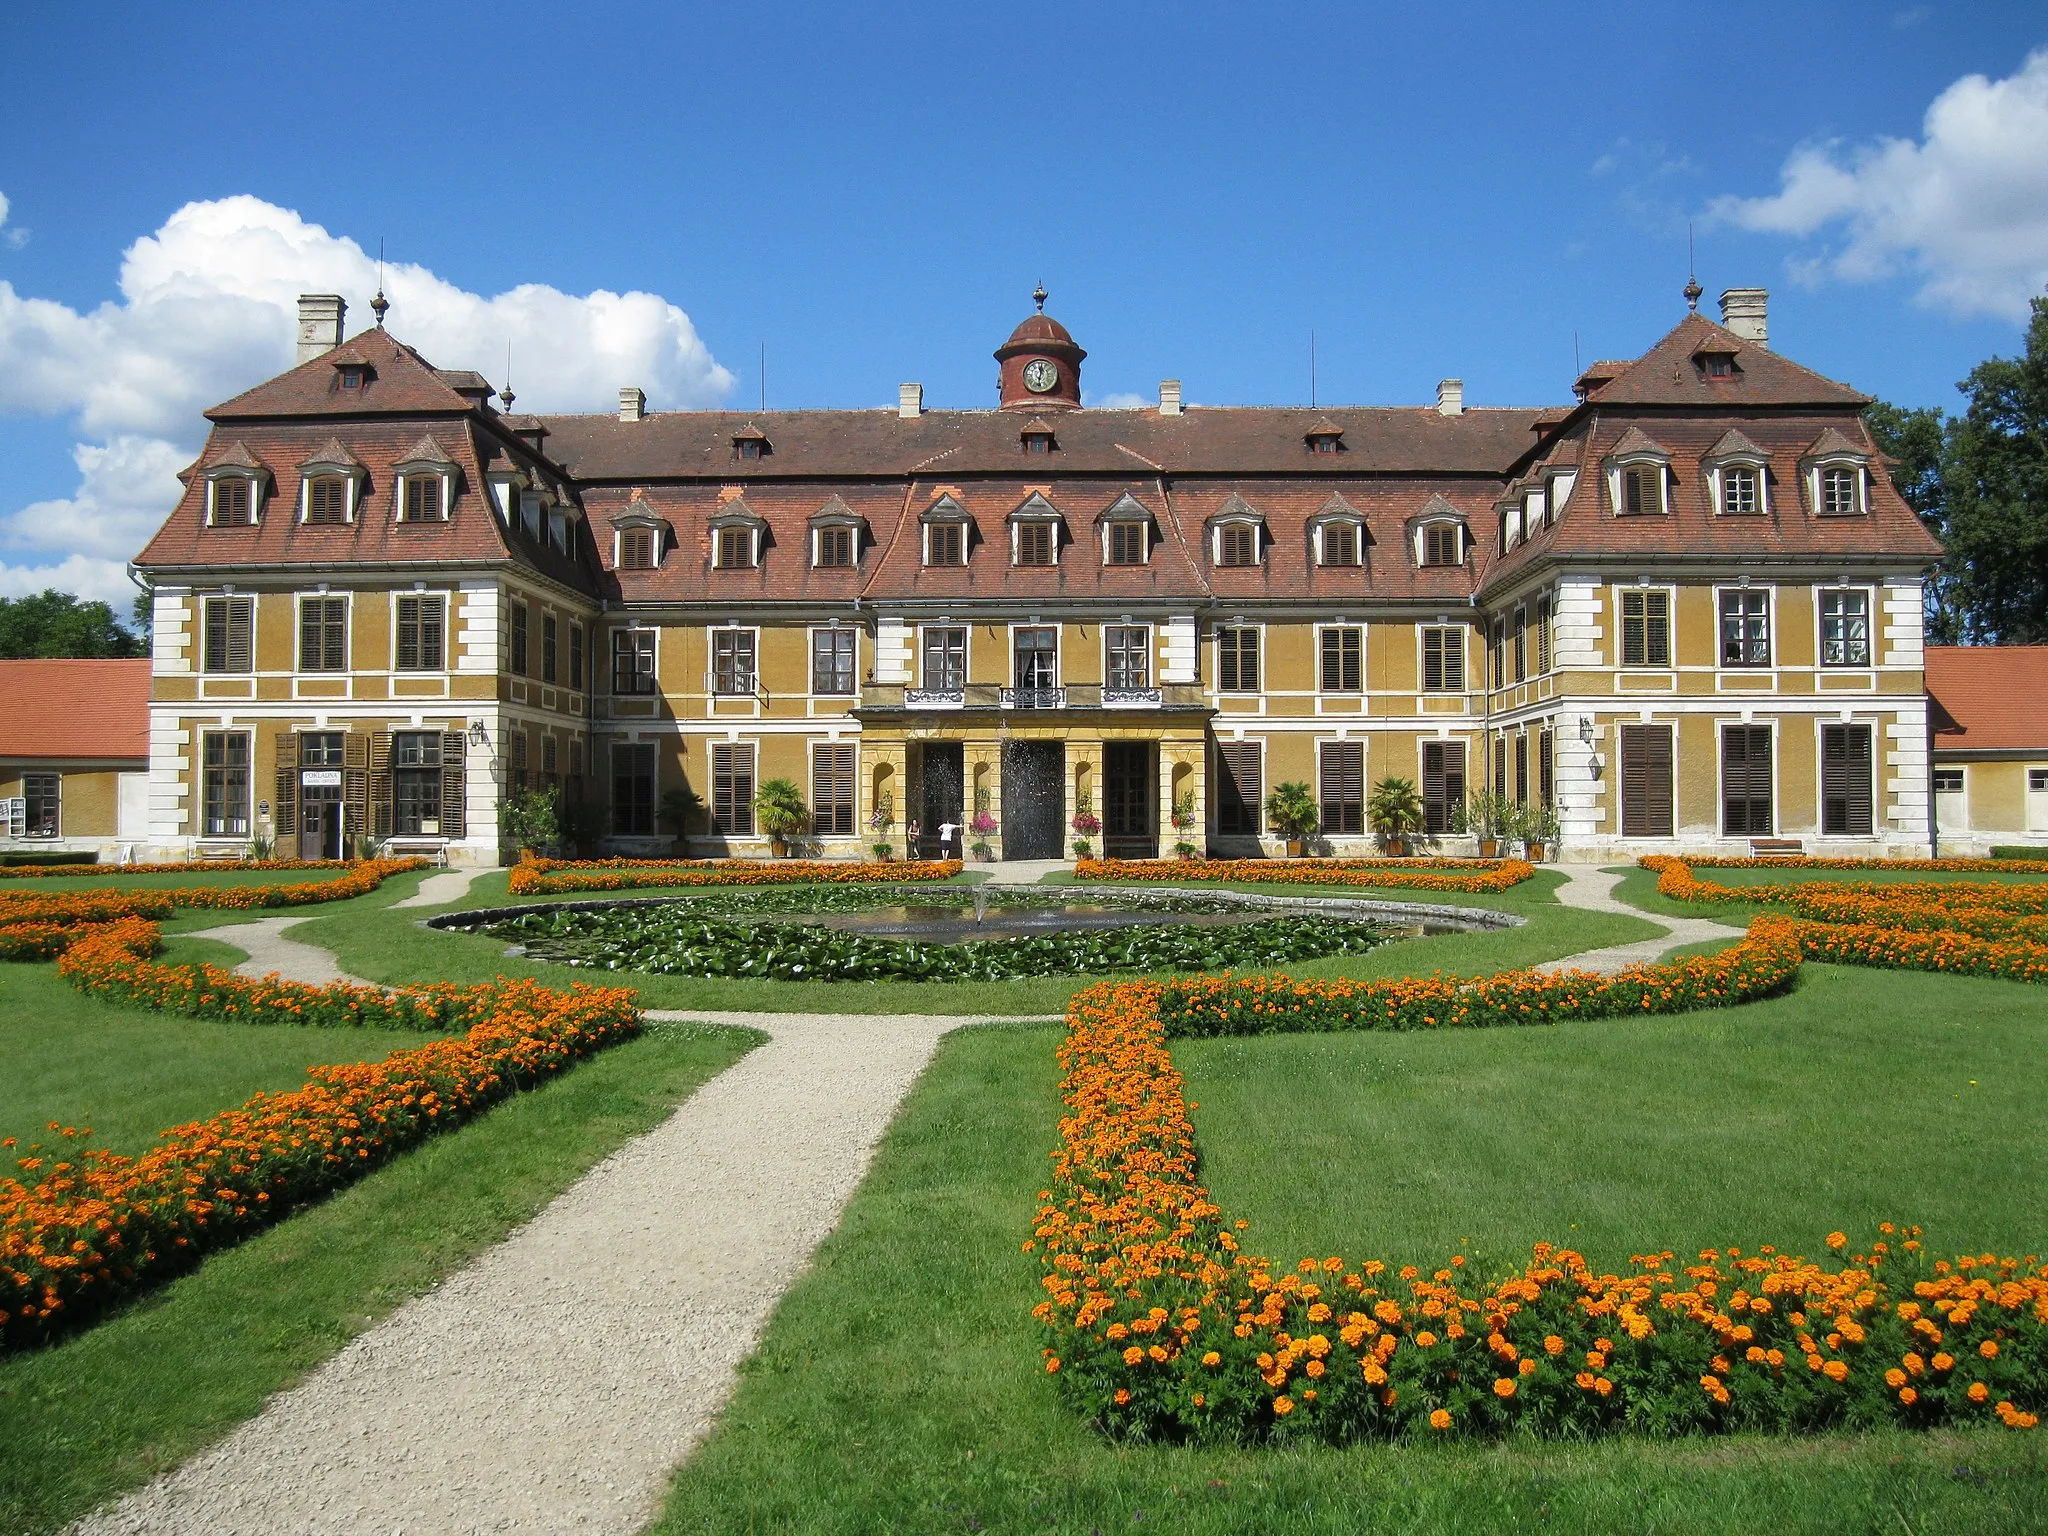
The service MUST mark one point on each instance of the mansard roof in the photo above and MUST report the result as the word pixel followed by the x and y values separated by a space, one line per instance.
pixel 1665 375
pixel 404 383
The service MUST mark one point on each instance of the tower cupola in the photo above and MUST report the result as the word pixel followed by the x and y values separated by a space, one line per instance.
pixel 1041 365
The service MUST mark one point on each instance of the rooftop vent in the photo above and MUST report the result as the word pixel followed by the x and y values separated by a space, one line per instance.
pixel 632 403
pixel 1450 397
pixel 320 316
pixel 1169 397
pixel 1746 312
pixel 909 401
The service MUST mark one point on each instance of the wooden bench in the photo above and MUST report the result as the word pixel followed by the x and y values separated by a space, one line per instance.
pixel 1776 848
pixel 435 848
pixel 211 852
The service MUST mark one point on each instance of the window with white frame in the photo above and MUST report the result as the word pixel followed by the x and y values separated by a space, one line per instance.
pixel 42 804
pixel 1126 543
pixel 224 783
pixel 422 499
pixel 1342 650
pixel 422 634
pixel 1442 543
pixel 232 501
pixel 633 661
pixel 732 661
pixel 1443 658
pixel 1845 627
pixel 1036 543
pixel 945 659
pixel 1745 626
pixel 1841 490
pixel 323 634
pixel 737 546
pixel 1642 489
pixel 832 661
pixel 832 546
pixel 1337 544
pixel 639 548
pixel 228 626
pixel 1237 659
pixel 1127 654
pixel 1645 628
pixel 1741 490
pixel 327 499
pixel 1237 544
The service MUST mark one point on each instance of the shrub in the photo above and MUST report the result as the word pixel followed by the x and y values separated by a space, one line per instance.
pixel 779 806
pixel 1480 875
pixel 1293 812
pixel 1395 807
pixel 532 818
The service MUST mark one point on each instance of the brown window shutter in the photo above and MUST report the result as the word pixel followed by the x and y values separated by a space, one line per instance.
pixel 1239 788
pixel 355 787
pixel 380 784
pixel 1343 787
pixel 454 784
pixel 285 823
pixel 1646 781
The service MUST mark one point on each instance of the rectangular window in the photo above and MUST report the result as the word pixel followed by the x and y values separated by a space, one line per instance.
pixel 735 548
pixel 1342 785
pixel 1343 651
pixel 1745 627
pixel 1443 784
pixel 550 758
pixel 229 621
pixel 1127 543
pixel 550 634
pixel 1845 628
pixel 1646 629
pixel 1642 489
pixel 323 634
pixel 416 780
pixel 1497 654
pixel 1746 780
pixel 422 628
pixel 1845 787
pixel 1237 544
pixel 1443 659
pixel 835 546
pixel 1500 767
pixel 1034 543
pixel 732 661
pixel 632 661
pixel 633 789
pixel 945 660
pixel 1129 655
pixel 1237 660
pixel 1546 767
pixel 1542 635
pixel 1739 491
pixel 327 500
pixel 1521 643
pixel 1240 786
pixel 1948 781
pixel 320 749
pixel 832 661
pixel 232 503
pixel 1646 781
pixel 575 655
pixel 224 790
pixel 1443 544
pixel 1838 489
pixel 43 794
pixel 1521 769
pixel 515 655
pixel 422 499
pixel 832 789
pixel 636 549
pixel 518 739
pixel 732 788
pixel 1340 544
pixel 945 544
pixel 1037 655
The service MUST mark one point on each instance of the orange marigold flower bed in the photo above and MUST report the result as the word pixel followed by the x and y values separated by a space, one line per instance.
pixel 1159 1326
pixel 1478 875
pixel 191 866
pixel 555 877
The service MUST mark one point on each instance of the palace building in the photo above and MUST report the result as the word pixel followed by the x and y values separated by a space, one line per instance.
pixel 1681 609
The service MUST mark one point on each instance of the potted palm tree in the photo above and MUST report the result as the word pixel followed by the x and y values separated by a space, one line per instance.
pixel 779 808
pixel 1395 810
pixel 1293 812
pixel 1539 832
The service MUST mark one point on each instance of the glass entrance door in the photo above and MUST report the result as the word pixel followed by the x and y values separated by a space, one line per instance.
pixel 1130 820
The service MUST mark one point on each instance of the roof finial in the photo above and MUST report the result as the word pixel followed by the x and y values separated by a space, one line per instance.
pixel 1693 290
pixel 506 394
pixel 1039 296
pixel 380 304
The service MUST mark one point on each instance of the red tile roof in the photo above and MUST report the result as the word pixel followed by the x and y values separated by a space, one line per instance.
pixel 1988 698
pixel 75 711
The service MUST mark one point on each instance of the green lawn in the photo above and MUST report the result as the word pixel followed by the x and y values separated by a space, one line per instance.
pixel 1537 891
pixel 1638 886
pixel 129 1073
pixel 1862 1095
pixel 899 1388
pixel 392 946
pixel 138 1394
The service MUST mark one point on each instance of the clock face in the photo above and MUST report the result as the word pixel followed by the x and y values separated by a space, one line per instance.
pixel 1040 375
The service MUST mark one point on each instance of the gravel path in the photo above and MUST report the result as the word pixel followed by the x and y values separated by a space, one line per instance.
pixel 554 1383
pixel 1593 889
pixel 271 953
pixel 439 890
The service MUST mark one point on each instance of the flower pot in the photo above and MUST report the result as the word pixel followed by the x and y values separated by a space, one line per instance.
pixel 1397 847
pixel 1536 851
pixel 1293 846
pixel 1489 847
pixel 528 855
pixel 777 848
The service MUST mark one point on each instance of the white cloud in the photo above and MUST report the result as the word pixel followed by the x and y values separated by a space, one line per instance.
pixel 1120 400
pixel 208 307
pixel 16 237
pixel 1966 207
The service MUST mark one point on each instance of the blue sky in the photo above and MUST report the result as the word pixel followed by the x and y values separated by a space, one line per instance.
pixel 873 191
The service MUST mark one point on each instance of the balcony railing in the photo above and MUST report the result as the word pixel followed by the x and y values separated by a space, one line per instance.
pixel 1132 698
pixel 1034 698
pixel 934 698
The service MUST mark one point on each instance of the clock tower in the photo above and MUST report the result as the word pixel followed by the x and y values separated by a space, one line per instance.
pixel 1041 365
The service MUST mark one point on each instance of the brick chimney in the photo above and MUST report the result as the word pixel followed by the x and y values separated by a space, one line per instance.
pixel 1450 397
pixel 632 403
pixel 1169 397
pixel 1746 312
pixel 909 401
pixel 320 316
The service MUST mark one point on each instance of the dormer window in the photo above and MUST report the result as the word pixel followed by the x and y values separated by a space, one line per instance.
pixel 836 531
pixel 1642 489
pixel 1237 544
pixel 426 483
pixel 1740 494
pixel 1339 543
pixel 1837 476
pixel 835 547
pixel 1738 476
pixel 1034 544
pixel 946 525
pixel 750 442
pixel 329 484
pixel 1126 526
pixel 352 376
pixel 1035 532
pixel 1038 442
pixel 1639 476
pixel 735 548
pixel 1337 534
pixel 421 501
pixel 1127 543
pixel 1325 436
pixel 1716 365
pixel 233 506
pixel 1838 492
pixel 637 549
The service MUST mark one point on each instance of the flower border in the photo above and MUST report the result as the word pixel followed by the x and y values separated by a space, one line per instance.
pixel 1487 876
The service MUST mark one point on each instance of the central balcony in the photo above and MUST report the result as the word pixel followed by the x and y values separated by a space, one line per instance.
pixel 990 697
pixel 1034 698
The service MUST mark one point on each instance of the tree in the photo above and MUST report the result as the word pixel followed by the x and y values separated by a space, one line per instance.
pixel 54 623
pixel 1994 583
